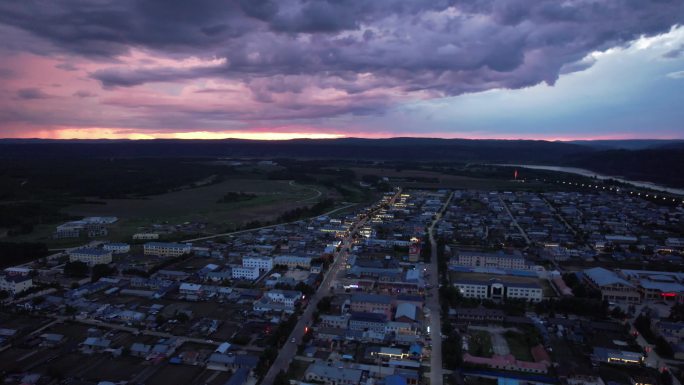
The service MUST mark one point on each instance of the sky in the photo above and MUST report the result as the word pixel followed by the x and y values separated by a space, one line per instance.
pixel 279 69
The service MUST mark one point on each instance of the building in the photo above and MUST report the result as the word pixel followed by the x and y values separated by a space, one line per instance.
pixel 371 303
pixel 656 285
pixel 117 248
pixel 480 315
pixel 497 289
pixel 406 312
pixel 277 301
pixel 334 321
pixel 611 286
pixel 15 283
pixel 249 273
pixel 614 356
pixel 262 263
pixel 414 252
pixel 332 375
pixel 91 256
pixel 292 261
pixel 368 322
pixel 232 362
pixel 166 249
pixel 500 260
pixel 145 236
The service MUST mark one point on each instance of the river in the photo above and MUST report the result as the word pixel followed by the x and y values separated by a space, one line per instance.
pixel 592 174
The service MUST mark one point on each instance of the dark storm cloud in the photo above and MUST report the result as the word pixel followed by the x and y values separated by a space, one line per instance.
pixel 440 47
pixel 31 94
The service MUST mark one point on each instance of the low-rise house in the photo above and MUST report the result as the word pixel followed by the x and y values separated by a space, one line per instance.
pixel 614 356
pixel 673 332
pixel 95 345
pixel 117 248
pixel 611 286
pixel 248 273
pixel 368 321
pixel 145 236
pixel 232 362
pixel 15 283
pixel 406 312
pixel 277 301
pixel 186 289
pixel 331 375
pixel 292 261
pixel 140 350
pixel 166 249
pixel 371 303
pixel 334 321
pixel 478 315
pixel 52 339
pixel 91 256
pixel 262 263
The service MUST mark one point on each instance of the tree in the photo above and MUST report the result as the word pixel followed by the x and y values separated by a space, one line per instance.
pixel 281 379
pixel 100 271
pixel 304 288
pixel 76 269
pixel 182 317
pixel 325 304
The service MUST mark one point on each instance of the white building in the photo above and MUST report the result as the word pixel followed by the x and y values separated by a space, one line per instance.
pixel 262 263
pixel 278 301
pixel 166 249
pixel 286 297
pixel 15 283
pixel 117 248
pixel 292 261
pixel 91 256
pixel 498 260
pixel 241 272
pixel 497 289
pixel 145 236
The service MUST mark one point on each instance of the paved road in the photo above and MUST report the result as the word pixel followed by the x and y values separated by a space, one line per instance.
pixel 289 350
pixel 515 222
pixel 436 374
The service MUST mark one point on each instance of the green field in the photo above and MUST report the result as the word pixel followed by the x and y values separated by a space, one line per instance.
pixel 480 344
pixel 519 346
pixel 200 204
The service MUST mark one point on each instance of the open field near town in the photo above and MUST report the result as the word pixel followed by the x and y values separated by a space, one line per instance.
pixel 200 204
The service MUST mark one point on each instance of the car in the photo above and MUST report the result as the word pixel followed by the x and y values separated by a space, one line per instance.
pixel 293 340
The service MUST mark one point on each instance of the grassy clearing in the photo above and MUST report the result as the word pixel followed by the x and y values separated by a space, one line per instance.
pixel 480 344
pixel 518 345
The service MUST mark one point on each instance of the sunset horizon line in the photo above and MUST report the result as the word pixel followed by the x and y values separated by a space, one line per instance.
pixel 284 138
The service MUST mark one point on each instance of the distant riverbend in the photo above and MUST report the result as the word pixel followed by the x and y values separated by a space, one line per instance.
pixel 592 174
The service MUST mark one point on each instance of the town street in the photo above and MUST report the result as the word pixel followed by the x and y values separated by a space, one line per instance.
pixel 288 351
pixel 433 304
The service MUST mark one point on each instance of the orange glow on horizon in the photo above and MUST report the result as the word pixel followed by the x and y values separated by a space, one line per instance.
pixel 107 133
pixel 282 133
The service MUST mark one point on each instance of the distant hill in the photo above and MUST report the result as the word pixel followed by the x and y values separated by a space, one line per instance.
pixel 649 160
pixel 628 144
pixel 408 149
pixel 661 165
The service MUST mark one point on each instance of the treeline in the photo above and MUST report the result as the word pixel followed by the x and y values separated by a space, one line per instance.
pixel 103 178
pixel 659 165
pixel 307 212
pixel 15 253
